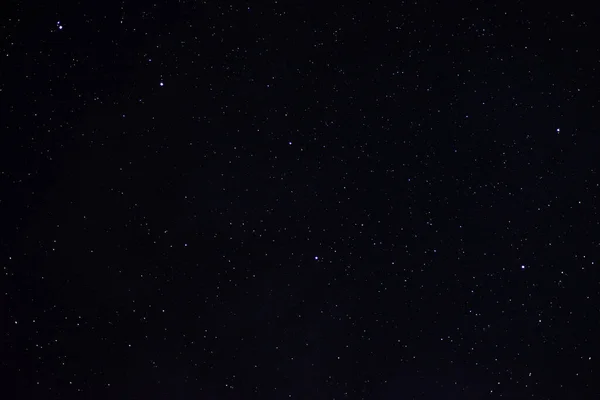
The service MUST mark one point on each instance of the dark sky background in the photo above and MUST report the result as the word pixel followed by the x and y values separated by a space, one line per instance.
pixel 299 200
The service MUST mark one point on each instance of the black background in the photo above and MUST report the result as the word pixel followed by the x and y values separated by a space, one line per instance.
pixel 321 201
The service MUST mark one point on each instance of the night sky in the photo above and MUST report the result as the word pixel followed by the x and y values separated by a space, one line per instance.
pixel 299 200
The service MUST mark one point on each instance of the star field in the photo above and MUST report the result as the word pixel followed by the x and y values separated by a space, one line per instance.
pixel 299 200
